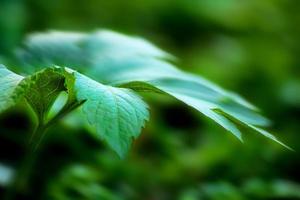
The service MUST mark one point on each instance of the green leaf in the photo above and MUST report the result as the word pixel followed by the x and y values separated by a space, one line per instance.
pixel 253 127
pixel 47 50
pixel 215 98
pixel 79 50
pixel 42 89
pixel 122 61
pixel 209 102
pixel 269 135
pixel 9 90
pixel 117 114
pixel 119 45
pixel 206 109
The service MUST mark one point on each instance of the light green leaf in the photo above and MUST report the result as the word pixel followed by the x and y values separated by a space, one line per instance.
pixel 121 45
pixel 79 50
pixel 9 90
pixel 211 104
pixel 269 135
pixel 206 109
pixel 253 127
pixel 117 114
pixel 47 50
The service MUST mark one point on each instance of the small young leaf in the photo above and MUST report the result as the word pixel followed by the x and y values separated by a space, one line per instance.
pixel 9 90
pixel 42 88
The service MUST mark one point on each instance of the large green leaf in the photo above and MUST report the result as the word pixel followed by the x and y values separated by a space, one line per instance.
pixel 9 90
pixel 117 114
pixel 46 50
pixel 78 50
pixel 185 88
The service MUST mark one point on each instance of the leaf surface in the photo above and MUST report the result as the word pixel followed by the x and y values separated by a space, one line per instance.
pixel 42 89
pixel 117 114
pixel 9 90
pixel 47 50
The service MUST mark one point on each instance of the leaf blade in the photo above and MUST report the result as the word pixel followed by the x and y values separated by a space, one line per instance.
pixel 10 92
pixel 117 114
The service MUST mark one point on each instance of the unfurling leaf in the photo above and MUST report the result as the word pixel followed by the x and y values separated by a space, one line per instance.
pixel 42 89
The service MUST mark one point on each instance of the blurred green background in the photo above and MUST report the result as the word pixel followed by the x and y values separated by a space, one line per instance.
pixel 249 46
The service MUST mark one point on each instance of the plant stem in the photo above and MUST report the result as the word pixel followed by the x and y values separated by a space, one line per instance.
pixel 38 136
pixel 21 179
pixel 20 182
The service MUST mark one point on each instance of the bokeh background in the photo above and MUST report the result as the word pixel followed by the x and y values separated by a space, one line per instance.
pixel 249 46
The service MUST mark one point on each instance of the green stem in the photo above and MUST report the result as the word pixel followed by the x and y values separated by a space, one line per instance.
pixel 69 107
pixel 37 137
pixel 21 179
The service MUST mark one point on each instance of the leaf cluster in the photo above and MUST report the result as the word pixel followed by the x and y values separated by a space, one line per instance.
pixel 103 71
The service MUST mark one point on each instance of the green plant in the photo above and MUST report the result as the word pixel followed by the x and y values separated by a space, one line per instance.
pixel 102 72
